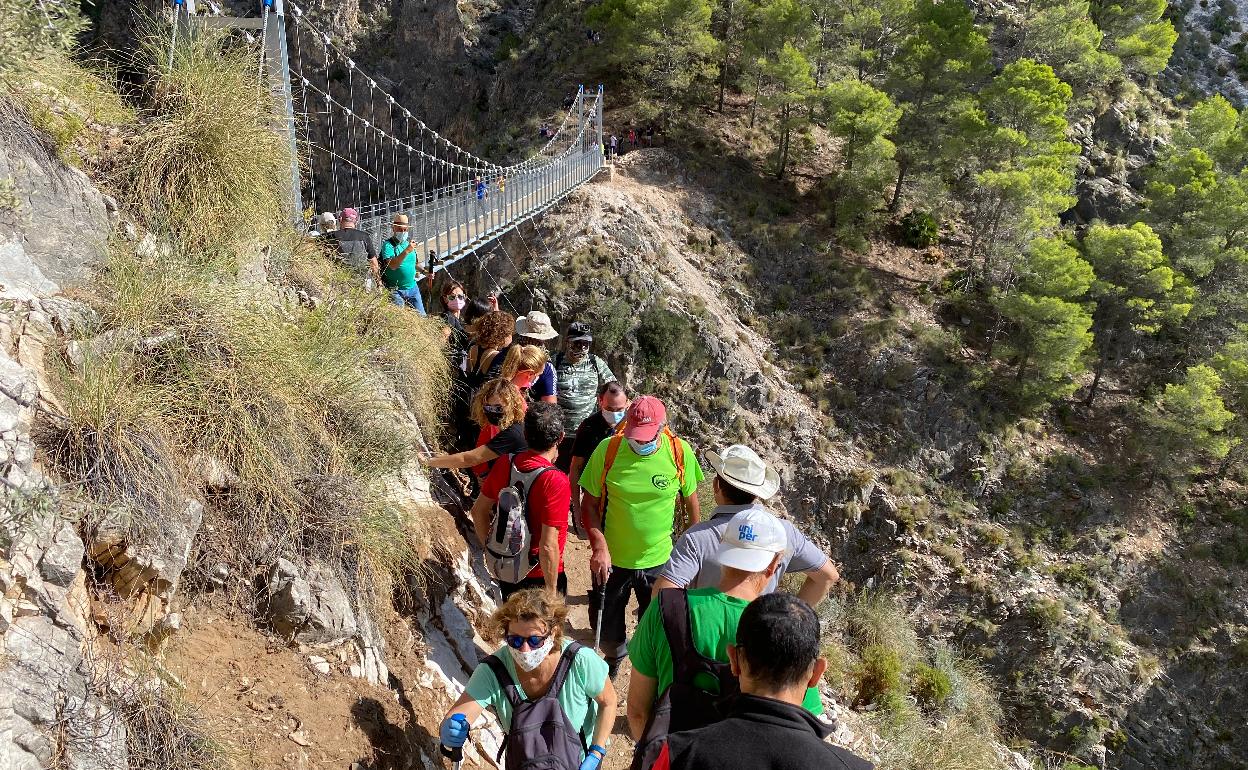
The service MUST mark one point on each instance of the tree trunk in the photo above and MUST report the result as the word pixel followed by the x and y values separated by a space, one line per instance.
pixel 723 65
pixel 903 165
pixel 758 87
pixel 1096 380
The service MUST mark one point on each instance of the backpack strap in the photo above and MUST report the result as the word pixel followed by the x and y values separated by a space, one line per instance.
pixel 678 626
pixel 505 680
pixel 565 665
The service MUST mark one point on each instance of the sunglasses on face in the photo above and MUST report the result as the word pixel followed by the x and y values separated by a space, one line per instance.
pixel 582 345
pixel 517 641
pixel 457 296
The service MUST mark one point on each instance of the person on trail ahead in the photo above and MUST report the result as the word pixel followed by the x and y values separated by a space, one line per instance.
pixel 632 137
pixel 683 637
pixel 552 696
pixel 479 185
pixel 357 249
pixel 522 365
pixel 776 660
pixel 546 501
pixel 580 375
pixel 632 486
pixel 400 259
pixel 593 430
pixel 743 481
pixel 492 335
pixel 534 329
pixel 499 409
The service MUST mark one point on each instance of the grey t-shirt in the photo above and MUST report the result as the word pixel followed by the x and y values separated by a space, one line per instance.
pixel 692 563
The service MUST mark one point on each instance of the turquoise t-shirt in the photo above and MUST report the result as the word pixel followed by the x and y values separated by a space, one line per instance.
pixel 403 276
pixel 585 681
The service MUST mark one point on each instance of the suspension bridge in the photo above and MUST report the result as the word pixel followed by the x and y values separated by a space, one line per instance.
pixel 357 146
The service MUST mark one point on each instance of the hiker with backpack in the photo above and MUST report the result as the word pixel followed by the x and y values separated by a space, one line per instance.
pixel 356 250
pixel 400 262
pixel 552 696
pixel 579 374
pixel 680 648
pixel 633 484
pixel 776 659
pixel 521 515
pixel 743 481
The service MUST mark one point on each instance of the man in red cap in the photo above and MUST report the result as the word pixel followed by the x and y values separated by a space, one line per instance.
pixel 357 249
pixel 642 472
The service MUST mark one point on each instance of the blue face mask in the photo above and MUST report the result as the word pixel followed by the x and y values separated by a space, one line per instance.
pixel 647 449
pixel 613 418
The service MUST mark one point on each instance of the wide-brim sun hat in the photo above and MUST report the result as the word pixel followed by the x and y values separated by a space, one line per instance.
pixel 536 326
pixel 741 467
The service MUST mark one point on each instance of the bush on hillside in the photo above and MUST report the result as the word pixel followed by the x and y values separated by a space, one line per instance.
pixel 665 339
pixel 919 230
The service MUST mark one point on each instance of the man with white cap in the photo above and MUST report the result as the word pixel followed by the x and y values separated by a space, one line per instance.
pixel 742 482
pixel 749 554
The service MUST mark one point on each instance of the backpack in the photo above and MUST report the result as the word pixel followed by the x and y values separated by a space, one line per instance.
pixel 509 550
pixel 541 737
pixel 684 705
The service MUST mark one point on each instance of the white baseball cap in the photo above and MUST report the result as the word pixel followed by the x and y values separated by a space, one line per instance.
pixel 741 467
pixel 751 540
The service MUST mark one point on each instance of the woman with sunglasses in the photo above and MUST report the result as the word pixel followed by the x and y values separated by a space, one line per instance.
pixel 531 624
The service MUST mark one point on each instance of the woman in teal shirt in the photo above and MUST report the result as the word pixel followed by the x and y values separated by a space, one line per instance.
pixel 531 623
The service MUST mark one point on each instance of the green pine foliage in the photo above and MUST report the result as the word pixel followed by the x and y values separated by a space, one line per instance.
pixel 862 116
pixel 1187 424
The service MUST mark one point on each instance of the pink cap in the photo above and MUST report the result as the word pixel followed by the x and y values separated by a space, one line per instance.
pixel 350 215
pixel 645 419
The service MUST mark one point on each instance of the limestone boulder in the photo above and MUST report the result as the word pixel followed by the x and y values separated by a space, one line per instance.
pixel 308 604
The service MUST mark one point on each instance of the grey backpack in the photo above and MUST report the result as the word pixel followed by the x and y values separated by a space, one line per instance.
pixel 541 737
pixel 510 553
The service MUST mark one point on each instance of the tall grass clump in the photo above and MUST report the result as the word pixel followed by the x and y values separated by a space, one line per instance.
pixel 934 709
pixel 303 407
pixel 208 165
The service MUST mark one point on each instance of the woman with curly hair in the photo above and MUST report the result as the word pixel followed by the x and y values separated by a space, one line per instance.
pixel 537 662
pixel 493 333
pixel 498 408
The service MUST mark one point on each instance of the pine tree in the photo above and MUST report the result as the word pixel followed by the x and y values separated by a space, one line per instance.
pixel 1136 290
pixel 943 56
pixel 1062 34
pixel 792 85
pixel 1136 33
pixel 862 116
pixel 1187 424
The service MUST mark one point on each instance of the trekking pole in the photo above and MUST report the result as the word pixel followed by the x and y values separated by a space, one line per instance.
pixel 456 754
pixel 602 603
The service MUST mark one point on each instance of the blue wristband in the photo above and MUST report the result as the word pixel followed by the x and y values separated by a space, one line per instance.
pixel 601 751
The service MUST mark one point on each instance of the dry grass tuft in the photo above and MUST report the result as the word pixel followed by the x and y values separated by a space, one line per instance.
pixel 209 157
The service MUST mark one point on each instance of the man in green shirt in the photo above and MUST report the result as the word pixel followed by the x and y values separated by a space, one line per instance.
pixel 750 552
pixel 642 474
pixel 400 259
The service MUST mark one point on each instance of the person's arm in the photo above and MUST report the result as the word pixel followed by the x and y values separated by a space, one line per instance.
pixel 548 557
pixel 374 267
pixel 682 568
pixel 608 704
pixel 398 259
pixel 600 555
pixel 482 511
pixel 454 735
pixel 482 454
pixel 693 508
pixel 641 692
pixel 818 583
pixel 550 399
pixel 574 476
pixel 662 584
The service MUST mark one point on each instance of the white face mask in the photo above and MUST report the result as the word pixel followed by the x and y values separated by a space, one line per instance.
pixel 644 449
pixel 530 659
pixel 613 418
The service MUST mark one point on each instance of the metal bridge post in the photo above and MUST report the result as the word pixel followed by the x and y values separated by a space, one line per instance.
pixel 281 73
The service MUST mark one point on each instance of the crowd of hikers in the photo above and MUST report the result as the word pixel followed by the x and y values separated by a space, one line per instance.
pixel 725 666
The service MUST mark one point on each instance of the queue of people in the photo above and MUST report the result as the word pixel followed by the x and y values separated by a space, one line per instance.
pixel 557 444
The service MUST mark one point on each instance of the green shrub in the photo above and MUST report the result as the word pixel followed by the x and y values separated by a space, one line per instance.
pixel 931 686
pixel 919 230
pixel 878 672
pixel 665 339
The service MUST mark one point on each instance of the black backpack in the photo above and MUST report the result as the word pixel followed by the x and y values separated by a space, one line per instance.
pixel 684 705
pixel 541 737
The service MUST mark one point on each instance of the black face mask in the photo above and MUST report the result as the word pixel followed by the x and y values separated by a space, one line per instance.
pixel 494 414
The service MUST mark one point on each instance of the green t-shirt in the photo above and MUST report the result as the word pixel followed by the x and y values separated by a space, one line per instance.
pixel 713 616
pixel 641 500
pixel 585 681
pixel 403 276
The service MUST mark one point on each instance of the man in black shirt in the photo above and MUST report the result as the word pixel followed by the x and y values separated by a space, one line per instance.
pixel 775 658
pixel 612 404
pixel 357 250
